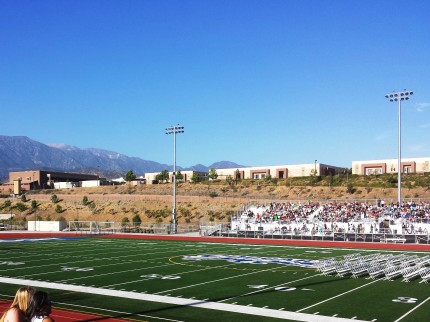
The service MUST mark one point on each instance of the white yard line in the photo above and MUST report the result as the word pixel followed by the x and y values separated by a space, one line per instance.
pixel 175 274
pixel 295 316
pixel 331 298
pixel 269 288
pixel 410 311
pixel 111 273
pixel 218 280
pixel 208 282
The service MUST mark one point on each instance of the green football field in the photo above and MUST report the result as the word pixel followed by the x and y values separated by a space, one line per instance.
pixel 159 280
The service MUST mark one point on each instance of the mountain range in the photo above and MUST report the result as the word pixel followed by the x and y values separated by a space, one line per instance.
pixel 20 153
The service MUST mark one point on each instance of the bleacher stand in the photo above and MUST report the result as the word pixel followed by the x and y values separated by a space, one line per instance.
pixel 327 219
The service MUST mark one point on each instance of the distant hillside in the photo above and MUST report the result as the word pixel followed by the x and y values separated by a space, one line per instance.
pixel 19 153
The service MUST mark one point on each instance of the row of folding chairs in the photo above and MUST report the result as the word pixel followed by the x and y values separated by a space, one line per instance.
pixel 425 275
pixel 377 265
pixel 414 272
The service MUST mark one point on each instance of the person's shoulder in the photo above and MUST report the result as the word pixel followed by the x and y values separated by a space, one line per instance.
pixel 48 319
pixel 13 314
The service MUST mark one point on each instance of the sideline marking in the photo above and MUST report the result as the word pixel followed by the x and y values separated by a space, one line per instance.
pixel 295 316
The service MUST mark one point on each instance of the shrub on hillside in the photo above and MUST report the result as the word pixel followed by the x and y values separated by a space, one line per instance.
pixel 21 207
pixel 136 220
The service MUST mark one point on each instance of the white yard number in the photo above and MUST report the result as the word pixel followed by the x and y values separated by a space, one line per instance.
pixel 76 269
pixel 403 299
pixel 258 286
pixel 11 263
pixel 285 289
pixel 157 276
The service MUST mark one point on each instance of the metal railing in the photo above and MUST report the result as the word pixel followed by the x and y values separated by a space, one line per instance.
pixel 386 236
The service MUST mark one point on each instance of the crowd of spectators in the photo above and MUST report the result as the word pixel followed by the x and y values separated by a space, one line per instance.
pixel 337 211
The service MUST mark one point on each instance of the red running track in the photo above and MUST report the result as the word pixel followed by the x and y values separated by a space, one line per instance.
pixel 68 316
pixel 309 243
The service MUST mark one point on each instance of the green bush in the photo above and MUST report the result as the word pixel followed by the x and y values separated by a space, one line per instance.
pixel 58 209
pixel 7 203
pixel 21 207
pixel 350 188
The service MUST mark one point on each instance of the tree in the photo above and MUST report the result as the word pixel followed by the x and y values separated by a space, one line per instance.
pixel 58 209
pixel 136 220
pixel 125 221
pixel 237 175
pixel 179 175
pixel 129 176
pixel 33 205
pixel 195 178
pixel 268 178
pixel 7 203
pixel 212 174
pixel 350 188
pixel 54 199
pixel 85 200
pixel 163 176
pixel 21 206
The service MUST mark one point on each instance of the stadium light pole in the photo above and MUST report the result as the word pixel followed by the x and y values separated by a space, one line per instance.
pixel 399 97
pixel 174 130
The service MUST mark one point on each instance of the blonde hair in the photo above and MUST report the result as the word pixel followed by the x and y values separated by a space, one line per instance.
pixel 21 300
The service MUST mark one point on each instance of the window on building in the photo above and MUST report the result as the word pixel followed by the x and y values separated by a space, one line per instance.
pixel 370 171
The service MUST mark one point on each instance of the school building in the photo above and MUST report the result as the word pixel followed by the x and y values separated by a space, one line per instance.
pixel 408 165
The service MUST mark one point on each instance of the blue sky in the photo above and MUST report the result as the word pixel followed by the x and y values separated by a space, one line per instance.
pixel 253 82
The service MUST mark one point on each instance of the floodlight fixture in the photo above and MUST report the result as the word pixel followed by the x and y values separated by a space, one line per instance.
pixel 399 97
pixel 174 130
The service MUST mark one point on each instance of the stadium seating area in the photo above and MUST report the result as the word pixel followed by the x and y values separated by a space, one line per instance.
pixel 318 218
